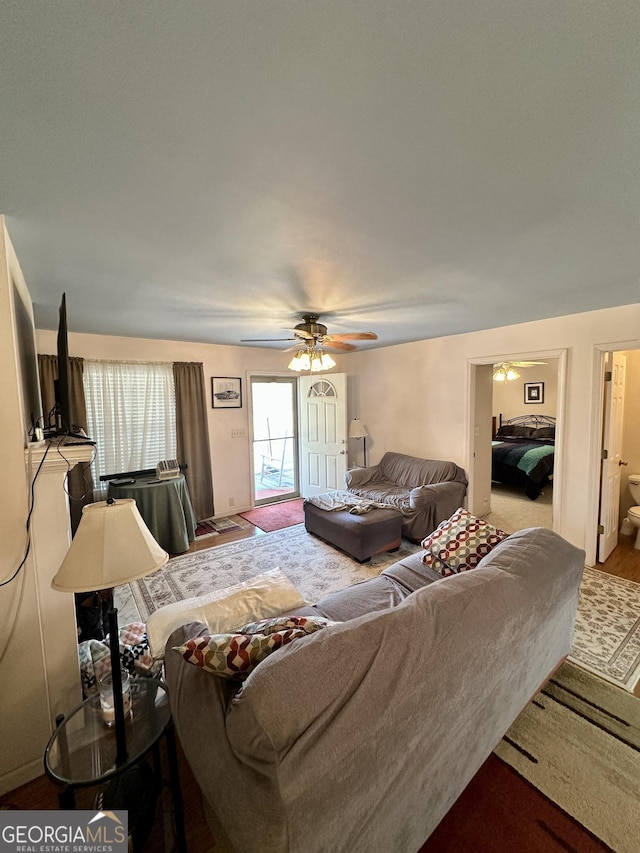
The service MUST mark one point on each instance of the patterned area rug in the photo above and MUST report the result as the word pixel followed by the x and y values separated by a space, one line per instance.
pixel 607 635
pixel 578 743
pixel 311 565
pixel 215 526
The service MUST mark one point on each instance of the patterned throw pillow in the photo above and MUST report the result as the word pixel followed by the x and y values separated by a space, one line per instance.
pixel 460 542
pixel 236 655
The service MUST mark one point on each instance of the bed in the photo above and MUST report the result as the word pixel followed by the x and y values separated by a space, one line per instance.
pixel 522 453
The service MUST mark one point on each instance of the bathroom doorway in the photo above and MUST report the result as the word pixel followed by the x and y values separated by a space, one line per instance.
pixel 620 372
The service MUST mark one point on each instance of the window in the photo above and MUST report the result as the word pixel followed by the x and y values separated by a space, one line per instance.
pixel 131 415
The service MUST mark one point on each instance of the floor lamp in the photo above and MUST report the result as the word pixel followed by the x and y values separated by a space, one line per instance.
pixel 112 546
pixel 357 430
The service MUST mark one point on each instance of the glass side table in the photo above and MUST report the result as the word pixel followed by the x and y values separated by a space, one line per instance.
pixel 82 750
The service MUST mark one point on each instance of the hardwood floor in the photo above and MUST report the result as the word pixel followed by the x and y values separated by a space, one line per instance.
pixel 624 562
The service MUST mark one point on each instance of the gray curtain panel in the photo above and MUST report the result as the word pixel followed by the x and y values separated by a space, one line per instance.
pixel 80 481
pixel 192 435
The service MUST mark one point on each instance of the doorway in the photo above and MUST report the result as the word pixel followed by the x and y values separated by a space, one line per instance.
pixel 274 419
pixel 536 390
pixel 619 448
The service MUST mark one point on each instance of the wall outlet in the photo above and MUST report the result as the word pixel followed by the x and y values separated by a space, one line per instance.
pixel 238 433
pixel 232 501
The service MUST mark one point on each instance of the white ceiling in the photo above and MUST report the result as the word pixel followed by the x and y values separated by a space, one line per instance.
pixel 210 170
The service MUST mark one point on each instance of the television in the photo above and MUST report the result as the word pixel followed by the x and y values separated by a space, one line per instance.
pixel 65 426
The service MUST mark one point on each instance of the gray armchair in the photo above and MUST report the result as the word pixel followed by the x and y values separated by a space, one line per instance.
pixel 426 491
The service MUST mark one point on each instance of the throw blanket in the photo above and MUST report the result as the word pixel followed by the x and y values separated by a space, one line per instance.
pixel 346 500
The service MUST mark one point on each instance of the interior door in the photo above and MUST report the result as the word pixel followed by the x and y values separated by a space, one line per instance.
pixel 612 451
pixel 323 433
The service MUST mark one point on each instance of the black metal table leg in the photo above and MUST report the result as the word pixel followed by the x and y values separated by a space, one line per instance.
pixel 174 781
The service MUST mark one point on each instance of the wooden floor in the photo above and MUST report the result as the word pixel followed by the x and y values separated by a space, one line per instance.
pixel 624 562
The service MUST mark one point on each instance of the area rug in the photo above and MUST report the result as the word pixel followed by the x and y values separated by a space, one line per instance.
pixel 578 742
pixel 607 634
pixel 276 516
pixel 214 527
pixel 314 567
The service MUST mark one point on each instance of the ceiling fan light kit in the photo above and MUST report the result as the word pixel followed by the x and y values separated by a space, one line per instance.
pixel 313 359
pixel 505 371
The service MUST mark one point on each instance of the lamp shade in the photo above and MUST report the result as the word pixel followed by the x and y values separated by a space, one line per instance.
pixel 112 546
pixel 356 429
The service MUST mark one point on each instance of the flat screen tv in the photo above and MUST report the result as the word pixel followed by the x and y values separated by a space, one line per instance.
pixel 64 415
pixel 64 423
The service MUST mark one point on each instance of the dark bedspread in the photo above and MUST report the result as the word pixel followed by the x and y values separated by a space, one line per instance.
pixel 522 463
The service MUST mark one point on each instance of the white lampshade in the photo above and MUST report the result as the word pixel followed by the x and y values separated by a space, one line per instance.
pixel 112 546
pixel 356 429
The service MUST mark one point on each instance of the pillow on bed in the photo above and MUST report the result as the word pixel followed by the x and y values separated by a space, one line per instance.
pixel 460 542
pixel 236 655
pixel 546 432
pixel 265 595
pixel 514 431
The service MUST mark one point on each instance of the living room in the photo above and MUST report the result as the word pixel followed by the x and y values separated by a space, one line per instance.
pixel 381 171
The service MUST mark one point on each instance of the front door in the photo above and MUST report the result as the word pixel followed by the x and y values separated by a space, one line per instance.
pixel 323 433
pixel 612 451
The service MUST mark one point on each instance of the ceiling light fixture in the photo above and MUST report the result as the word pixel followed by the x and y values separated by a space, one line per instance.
pixel 311 358
pixel 504 372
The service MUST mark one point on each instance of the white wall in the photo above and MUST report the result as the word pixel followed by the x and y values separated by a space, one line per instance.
pixel 413 397
pixel 508 397
pixel 230 457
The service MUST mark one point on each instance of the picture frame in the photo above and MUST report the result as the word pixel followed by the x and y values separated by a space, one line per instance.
pixel 226 392
pixel 534 392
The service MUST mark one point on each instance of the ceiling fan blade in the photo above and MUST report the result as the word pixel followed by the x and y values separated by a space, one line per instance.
pixel 354 336
pixel 339 345
pixel 526 363
pixel 263 340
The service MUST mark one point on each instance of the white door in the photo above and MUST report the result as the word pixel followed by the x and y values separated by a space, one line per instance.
pixel 479 492
pixel 323 433
pixel 612 450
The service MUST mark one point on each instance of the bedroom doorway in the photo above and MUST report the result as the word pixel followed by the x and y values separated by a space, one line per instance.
pixel 515 439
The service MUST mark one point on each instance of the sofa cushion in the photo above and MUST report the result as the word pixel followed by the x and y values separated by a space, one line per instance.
pixel 268 594
pixel 235 655
pixel 460 542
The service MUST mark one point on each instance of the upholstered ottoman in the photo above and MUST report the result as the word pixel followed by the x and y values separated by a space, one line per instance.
pixel 361 536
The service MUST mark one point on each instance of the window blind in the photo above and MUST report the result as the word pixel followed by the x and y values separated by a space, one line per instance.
pixel 131 415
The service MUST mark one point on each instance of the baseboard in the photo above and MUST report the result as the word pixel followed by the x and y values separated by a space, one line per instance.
pixel 21 775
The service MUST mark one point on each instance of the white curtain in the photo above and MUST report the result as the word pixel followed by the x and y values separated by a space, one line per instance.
pixel 131 415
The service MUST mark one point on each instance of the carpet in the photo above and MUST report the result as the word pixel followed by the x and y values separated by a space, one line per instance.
pixel 314 567
pixel 607 634
pixel 214 527
pixel 276 516
pixel 578 742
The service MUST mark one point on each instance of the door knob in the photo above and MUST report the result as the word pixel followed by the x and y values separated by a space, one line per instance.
pixel 342 453
pixel 622 463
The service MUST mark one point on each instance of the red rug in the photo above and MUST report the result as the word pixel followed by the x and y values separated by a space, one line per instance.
pixel 499 811
pixel 276 516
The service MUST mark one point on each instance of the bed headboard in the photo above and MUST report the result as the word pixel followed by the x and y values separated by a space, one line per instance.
pixel 535 427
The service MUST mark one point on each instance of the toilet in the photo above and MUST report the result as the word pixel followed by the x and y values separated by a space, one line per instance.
pixel 634 512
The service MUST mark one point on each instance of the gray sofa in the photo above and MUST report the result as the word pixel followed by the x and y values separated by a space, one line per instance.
pixel 360 737
pixel 426 491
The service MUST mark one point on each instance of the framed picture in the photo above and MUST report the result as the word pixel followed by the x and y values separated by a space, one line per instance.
pixel 226 392
pixel 534 392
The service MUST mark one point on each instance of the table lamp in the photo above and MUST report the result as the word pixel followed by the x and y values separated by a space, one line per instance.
pixel 112 546
pixel 357 430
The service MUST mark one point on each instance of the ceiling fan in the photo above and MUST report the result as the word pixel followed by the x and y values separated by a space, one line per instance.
pixel 312 333
pixel 505 370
